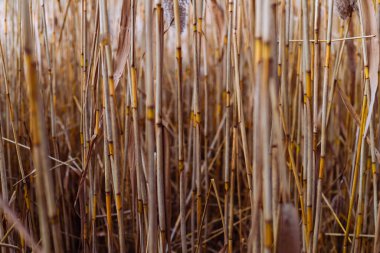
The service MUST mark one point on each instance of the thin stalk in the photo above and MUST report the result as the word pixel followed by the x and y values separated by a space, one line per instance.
pixel 233 168
pixel 239 99
pixel 180 138
pixel 12 119
pixel 359 211
pixel 159 127
pixel 264 120
pixel 152 174
pixel 111 122
pixel 39 142
pixel 136 134
pixel 228 116
pixel 326 69
pixel 361 130
pixel 308 117
pixel 256 155
pixel 196 116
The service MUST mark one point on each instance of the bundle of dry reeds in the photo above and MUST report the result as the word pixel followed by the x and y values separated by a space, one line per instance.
pixel 189 126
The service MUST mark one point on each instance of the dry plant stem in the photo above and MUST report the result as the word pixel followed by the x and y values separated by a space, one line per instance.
pixel 256 158
pixel 364 110
pixel 316 78
pixel 205 128
pixel 268 69
pixel 152 175
pixel 308 121
pixel 107 155
pixel 11 217
pixel 49 66
pixel 52 101
pixel 359 210
pixel 3 180
pixel 374 169
pixel 232 183
pixel 376 247
pixel 111 123
pixel 228 116
pixel 39 141
pixel 196 116
pixel 239 99
pixel 336 71
pixel 136 134
pixel 180 133
pixel 264 120
pixel 12 122
pixel 238 118
pixel 326 69
pixel 159 127
pixel 282 60
pixel 3 170
pixel 84 129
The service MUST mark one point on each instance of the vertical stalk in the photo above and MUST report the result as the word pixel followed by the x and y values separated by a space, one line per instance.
pixel 159 127
pixel 180 138
pixel 234 161
pixel 264 123
pixel 111 123
pixel 152 175
pixel 363 117
pixel 308 123
pixel 197 45
pixel 326 71
pixel 39 142
pixel 256 155
pixel 228 116
pixel 239 99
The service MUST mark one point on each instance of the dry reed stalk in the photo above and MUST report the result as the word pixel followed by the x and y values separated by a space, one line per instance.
pixel 361 131
pixel 180 127
pixel 239 99
pixel 149 110
pixel 323 129
pixel 107 162
pixel 316 80
pixel 12 218
pixel 3 179
pixel 39 142
pixel 158 124
pixel 205 126
pixel 141 191
pixel 234 158
pixel 227 98
pixel 256 156
pixel 376 247
pixel 308 121
pixel 264 123
pixel 196 114
pixel 110 119
pixel 359 211
pixel 259 60
pixel 12 123
pixel 282 60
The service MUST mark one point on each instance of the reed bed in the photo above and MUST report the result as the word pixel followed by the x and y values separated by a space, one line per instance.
pixel 189 126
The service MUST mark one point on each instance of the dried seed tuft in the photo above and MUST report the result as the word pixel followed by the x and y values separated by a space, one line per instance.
pixel 345 8
pixel 168 7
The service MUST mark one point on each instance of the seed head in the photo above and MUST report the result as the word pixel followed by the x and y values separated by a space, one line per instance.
pixel 345 8
pixel 168 7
